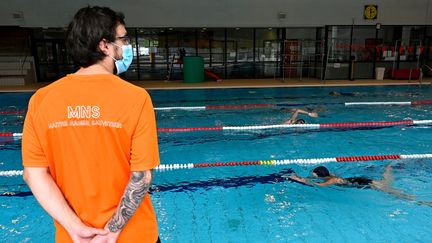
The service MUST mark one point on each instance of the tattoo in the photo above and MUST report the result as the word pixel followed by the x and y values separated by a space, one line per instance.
pixel 135 191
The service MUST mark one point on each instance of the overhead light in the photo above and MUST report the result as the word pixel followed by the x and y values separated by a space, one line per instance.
pixel 281 15
pixel 19 15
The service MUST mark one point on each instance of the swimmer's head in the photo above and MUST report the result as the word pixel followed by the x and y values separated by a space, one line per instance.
pixel 334 93
pixel 286 109
pixel 321 171
pixel 300 121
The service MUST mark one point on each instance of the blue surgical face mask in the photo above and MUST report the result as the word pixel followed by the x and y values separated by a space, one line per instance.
pixel 123 64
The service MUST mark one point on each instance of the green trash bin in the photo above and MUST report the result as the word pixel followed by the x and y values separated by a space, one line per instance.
pixel 193 69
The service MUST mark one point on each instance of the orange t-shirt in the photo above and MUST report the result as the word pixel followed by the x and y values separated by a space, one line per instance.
pixel 92 131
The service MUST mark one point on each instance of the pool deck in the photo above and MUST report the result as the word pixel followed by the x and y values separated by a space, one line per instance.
pixel 242 83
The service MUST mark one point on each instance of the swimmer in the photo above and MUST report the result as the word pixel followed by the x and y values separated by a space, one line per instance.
pixel 402 93
pixel 335 93
pixel 295 113
pixel 384 185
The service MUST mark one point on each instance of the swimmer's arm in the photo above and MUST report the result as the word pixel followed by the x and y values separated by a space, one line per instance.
pixel 301 111
pixel 299 179
pixel 52 200
pixel 136 189
pixel 293 117
pixel 311 114
pixel 329 182
pixel 303 180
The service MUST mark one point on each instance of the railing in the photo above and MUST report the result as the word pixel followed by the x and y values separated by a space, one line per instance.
pixel 17 70
pixel 421 71
pixel 428 67
pixel 22 62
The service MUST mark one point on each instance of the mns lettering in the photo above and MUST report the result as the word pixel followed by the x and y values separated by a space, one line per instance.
pixel 82 111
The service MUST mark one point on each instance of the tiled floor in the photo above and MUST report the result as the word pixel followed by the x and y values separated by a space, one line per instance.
pixel 242 83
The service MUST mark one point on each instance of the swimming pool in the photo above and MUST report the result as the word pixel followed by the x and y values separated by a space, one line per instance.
pixel 255 203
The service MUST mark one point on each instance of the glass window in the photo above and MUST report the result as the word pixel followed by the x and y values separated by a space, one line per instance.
pixel 204 39
pixel 400 43
pixel 52 58
pixel 302 54
pixel 211 48
pixel 239 53
pixel 267 50
pixel 427 46
pixel 386 49
pixel 152 53
pixel 339 44
pixel 411 43
pixel 181 39
pixel 267 45
pixel 210 45
pixel 151 45
pixel 181 42
pixel 240 45
pixel 363 44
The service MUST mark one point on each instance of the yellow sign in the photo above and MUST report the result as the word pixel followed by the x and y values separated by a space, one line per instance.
pixel 370 12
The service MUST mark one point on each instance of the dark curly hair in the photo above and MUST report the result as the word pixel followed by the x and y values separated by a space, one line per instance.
pixel 321 171
pixel 89 26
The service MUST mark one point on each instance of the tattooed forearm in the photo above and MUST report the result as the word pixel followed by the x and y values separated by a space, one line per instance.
pixel 135 191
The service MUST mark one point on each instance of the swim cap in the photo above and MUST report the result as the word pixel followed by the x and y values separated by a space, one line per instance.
pixel 321 171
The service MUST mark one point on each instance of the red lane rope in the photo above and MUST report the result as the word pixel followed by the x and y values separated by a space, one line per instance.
pixel 305 126
pixel 246 106
pixel 310 161
pixel 12 112
pixel 367 158
pixel 421 102
pixel 368 124
pixel 6 134
pixel 189 129
pixel 218 164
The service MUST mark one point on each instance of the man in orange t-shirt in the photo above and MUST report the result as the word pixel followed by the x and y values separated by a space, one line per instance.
pixel 89 141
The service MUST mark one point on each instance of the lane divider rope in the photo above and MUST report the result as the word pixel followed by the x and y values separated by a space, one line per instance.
pixel 342 125
pixel 251 106
pixel 345 125
pixel 18 112
pixel 10 134
pixel 293 161
pixel 312 161
pixel 413 103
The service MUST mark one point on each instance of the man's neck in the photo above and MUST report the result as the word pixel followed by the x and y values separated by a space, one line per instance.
pixel 102 67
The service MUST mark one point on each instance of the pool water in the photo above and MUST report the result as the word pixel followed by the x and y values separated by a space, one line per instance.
pixel 256 203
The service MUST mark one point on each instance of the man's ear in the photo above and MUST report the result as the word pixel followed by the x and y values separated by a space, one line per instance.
pixel 103 46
